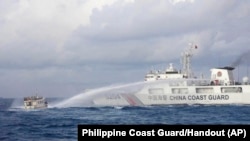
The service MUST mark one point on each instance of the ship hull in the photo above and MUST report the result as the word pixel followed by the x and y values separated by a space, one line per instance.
pixel 166 95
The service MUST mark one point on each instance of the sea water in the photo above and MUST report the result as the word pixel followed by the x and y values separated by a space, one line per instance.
pixel 60 120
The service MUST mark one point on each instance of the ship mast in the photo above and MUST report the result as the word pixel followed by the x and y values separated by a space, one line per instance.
pixel 186 61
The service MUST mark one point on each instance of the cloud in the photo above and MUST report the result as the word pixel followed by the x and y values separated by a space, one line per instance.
pixel 60 44
pixel 158 30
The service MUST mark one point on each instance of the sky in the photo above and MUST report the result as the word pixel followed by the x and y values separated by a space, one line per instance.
pixel 59 48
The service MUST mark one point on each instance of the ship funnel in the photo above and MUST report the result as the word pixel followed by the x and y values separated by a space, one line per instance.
pixel 222 76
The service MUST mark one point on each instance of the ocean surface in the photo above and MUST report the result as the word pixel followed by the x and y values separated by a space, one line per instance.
pixel 60 123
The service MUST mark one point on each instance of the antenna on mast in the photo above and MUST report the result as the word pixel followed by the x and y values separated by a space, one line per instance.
pixel 186 60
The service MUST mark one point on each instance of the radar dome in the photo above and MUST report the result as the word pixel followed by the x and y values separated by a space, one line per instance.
pixel 245 79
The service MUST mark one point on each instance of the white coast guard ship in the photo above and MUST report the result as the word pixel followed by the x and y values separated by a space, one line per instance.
pixel 35 102
pixel 180 87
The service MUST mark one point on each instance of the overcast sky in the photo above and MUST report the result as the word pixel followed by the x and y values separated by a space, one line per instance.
pixel 61 47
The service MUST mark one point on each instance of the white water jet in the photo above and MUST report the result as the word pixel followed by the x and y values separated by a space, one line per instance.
pixel 85 99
